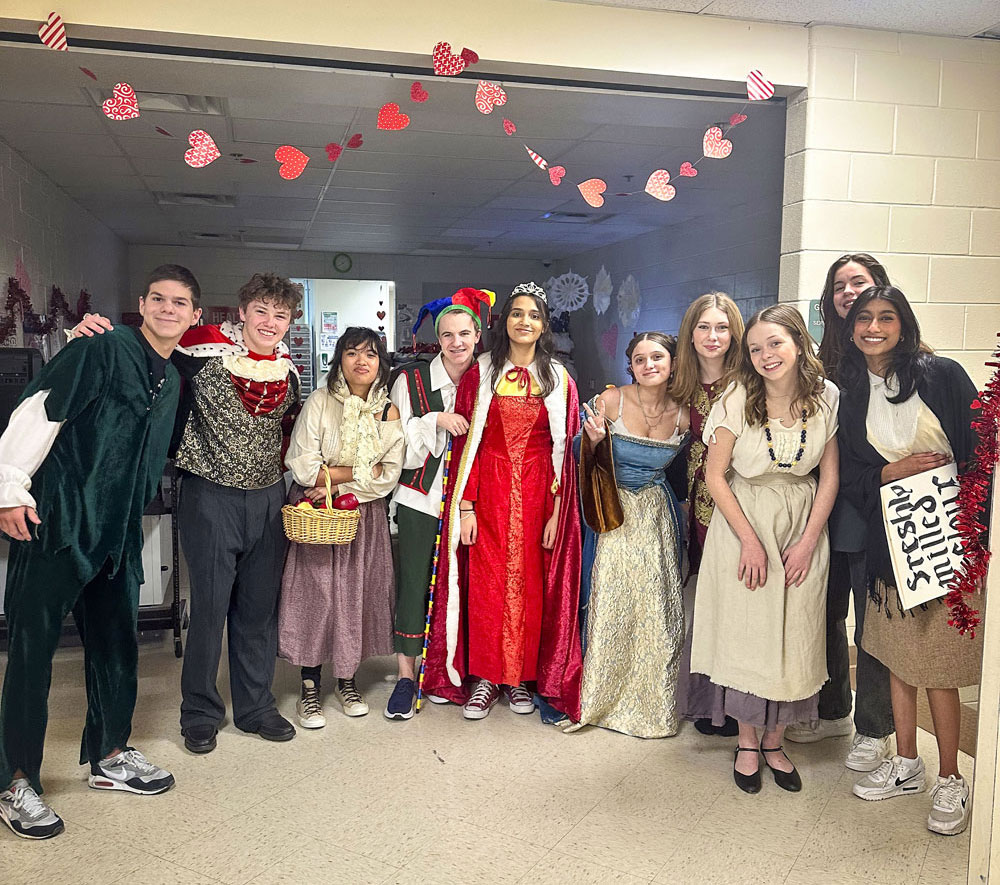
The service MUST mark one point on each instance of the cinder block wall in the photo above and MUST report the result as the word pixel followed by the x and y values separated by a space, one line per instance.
pixel 894 149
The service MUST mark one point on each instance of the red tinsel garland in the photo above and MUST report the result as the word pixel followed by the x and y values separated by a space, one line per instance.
pixel 974 489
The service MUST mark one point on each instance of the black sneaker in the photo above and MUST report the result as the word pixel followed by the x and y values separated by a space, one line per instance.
pixel 26 814
pixel 400 704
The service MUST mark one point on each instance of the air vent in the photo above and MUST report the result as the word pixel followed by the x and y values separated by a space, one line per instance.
pixel 167 198
pixel 171 102
pixel 573 217
pixel 208 237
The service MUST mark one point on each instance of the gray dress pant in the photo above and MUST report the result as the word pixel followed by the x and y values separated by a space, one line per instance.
pixel 234 545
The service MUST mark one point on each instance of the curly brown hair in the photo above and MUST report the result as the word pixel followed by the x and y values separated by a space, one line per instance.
pixel 271 287
pixel 809 370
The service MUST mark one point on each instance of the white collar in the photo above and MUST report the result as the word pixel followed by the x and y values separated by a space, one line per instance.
pixel 439 374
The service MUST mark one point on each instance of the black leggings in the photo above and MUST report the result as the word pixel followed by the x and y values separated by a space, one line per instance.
pixel 312 673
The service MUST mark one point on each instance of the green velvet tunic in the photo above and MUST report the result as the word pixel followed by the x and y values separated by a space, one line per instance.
pixel 107 461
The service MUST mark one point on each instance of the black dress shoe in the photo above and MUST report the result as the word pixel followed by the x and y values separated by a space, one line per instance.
pixel 787 780
pixel 200 738
pixel 274 727
pixel 729 728
pixel 748 783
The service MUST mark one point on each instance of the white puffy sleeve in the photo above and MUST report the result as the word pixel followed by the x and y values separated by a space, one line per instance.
pixel 727 412
pixel 24 445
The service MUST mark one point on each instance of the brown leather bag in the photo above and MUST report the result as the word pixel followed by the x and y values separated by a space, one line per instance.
pixel 602 506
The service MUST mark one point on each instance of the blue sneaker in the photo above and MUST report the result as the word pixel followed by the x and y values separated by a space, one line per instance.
pixel 400 704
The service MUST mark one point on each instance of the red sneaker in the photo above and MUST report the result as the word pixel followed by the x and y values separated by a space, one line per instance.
pixel 484 696
pixel 521 700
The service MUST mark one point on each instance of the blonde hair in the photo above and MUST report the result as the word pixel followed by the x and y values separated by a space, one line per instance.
pixel 685 381
pixel 809 384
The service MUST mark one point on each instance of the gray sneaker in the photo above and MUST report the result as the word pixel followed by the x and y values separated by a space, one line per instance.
pixel 132 772
pixel 26 814
pixel 949 807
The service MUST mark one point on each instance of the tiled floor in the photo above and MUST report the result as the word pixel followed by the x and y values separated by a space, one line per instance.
pixel 442 800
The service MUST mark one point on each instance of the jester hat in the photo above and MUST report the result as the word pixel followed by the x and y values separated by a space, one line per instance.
pixel 469 300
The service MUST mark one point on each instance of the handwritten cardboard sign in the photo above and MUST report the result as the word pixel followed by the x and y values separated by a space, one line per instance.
pixel 920 515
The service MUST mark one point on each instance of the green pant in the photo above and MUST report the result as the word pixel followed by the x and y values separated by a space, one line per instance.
pixel 417 534
pixel 41 590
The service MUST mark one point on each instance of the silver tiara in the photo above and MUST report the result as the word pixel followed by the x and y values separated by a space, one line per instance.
pixel 531 288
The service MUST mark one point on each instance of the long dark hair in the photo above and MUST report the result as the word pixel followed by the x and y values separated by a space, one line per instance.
pixel 360 336
pixel 545 347
pixel 667 342
pixel 908 360
pixel 833 324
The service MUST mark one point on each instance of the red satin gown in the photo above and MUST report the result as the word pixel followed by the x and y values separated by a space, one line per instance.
pixel 511 481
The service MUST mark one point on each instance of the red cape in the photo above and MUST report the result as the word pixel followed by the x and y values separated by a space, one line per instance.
pixel 560 659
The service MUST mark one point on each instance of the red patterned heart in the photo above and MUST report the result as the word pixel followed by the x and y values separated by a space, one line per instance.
pixel 556 174
pixel 333 151
pixel 488 96
pixel 688 171
pixel 380 314
pixel 759 88
pixel 390 117
pixel 609 341
pixel 52 32
pixel 418 93
pixel 355 141
pixel 470 57
pixel 736 119
pixel 203 150
pixel 714 145
pixel 446 64
pixel 509 127
pixel 657 186
pixel 293 162
pixel 123 105
pixel 591 189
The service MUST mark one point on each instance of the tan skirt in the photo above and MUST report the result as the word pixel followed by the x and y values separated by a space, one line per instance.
pixel 919 646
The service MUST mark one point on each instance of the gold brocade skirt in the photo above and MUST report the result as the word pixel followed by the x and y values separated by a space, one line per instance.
pixel 635 626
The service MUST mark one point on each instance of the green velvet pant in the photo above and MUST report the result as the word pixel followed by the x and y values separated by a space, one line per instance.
pixel 41 591
pixel 417 532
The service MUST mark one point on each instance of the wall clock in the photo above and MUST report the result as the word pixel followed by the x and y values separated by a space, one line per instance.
pixel 342 262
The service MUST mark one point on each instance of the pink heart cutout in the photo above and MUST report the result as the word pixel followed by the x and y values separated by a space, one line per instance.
pixel 418 93
pixel 293 162
pixel 446 64
pixel 556 174
pixel 333 151
pixel 390 117
pixel 123 105
pixel 508 126
pixel 489 96
pixel 759 88
pixel 736 119
pixel 591 191
pixel 714 145
pixel 203 150
pixel 609 341
pixel 687 170
pixel 657 186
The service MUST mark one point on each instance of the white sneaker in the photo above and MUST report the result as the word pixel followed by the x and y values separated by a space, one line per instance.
pixel 949 806
pixel 867 753
pixel 436 699
pixel 308 707
pixel 130 771
pixel 811 732
pixel 350 698
pixel 894 777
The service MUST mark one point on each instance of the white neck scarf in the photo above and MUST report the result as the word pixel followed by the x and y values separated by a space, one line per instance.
pixel 360 441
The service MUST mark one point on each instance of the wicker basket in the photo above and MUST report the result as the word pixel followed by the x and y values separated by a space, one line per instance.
pixel 313 526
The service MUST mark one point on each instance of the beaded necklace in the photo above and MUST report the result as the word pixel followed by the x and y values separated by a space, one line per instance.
pixel 786 465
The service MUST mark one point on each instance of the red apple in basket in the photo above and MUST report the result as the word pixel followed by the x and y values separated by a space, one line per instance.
pixel 345 502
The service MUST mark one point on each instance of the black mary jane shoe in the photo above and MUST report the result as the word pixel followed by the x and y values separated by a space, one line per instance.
pixel 748 783
pixel 787 780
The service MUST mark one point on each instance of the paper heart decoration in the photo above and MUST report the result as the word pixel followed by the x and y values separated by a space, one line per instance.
pixel 687 170
pixel 390 117
pixel 297 341
pixel 759 88
pixel 162 131
pixel 380 314
pixel 609 341
pixel 298 313
pixel 470 57
pixel 446 64
pixel 89 73
pixel 203 149
pixel 556 174
pixel 418 93
pixel 52 32
pixel 736 119
pixel 591 190
pixel 333 151
pixel 293 162
pixel 245 161
pixel 714 146
pixel 355 141
pixel 381 328
pixel 658 187
pixel 509 127
pixel 381 303
pixel 123 105
pixel 489 96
